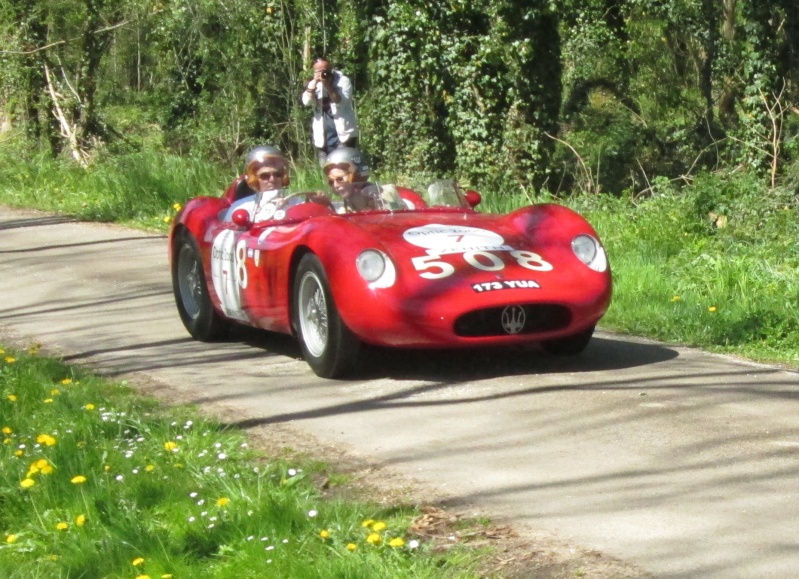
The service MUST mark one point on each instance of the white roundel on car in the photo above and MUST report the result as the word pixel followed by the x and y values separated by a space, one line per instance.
pixel 454 238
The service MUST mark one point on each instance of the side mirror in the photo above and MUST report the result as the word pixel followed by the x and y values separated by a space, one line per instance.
pixel 473 198
pixel 241 217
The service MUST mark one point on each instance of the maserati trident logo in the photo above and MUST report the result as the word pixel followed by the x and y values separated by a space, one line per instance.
pixel 513 318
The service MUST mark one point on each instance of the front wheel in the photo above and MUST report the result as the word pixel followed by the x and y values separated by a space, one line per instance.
pixel 570 345
pixel 191 292
pixel 327 344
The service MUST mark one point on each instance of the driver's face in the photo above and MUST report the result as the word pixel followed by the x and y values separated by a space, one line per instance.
pixel 271 174
pixel 339 180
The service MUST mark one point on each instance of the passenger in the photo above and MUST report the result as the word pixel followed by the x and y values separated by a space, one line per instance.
pixel 347 171
pixel 262 186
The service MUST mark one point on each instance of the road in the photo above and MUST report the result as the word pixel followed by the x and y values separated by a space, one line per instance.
pixel 678 461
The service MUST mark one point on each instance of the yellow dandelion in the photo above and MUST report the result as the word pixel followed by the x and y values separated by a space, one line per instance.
pixel 78 480
pixel 167 219
pixel 53 557
pixel 177 206
pixel 62 526
pixel 351 546
pixel 46 439
pixel 2 351
pixel 137 561
pixel 142 577
pixel 367 523
pixel 46 469
pixel 711 309
pixel 10 359
pixel 107 467
pixel 66 381
pixel 149 468
pixel 7 430
pixel 48 400
pixel 80 520
pixel 89 406
pixel 378 526
pixel 676 298
pixel 373 538
pixel 166 576
pixel 7 441
pixel 27 483
pixel 19 453
pixel 325 534
pixel 222 502
pixel 170 446
pixel 396 542
pixel 12 397
pixel 11 539
pixel 55 392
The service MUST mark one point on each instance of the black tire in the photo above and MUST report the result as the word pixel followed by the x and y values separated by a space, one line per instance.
pixel 327 344
pixel 191 292
pixel 570 345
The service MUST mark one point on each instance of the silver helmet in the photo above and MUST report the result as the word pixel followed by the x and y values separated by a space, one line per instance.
pixel 352 158
pixel 261 152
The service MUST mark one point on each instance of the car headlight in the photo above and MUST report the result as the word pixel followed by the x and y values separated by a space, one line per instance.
pixel 590 252
pixel 376 268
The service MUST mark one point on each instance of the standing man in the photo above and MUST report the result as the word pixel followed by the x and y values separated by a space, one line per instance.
pixel 334 122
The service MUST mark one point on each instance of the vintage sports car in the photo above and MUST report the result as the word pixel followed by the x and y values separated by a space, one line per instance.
pixel 415 269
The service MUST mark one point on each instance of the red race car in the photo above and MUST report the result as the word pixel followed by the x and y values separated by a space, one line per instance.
pixel 405 269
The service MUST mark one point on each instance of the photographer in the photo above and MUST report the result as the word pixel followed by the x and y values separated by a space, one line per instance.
pixel 334 122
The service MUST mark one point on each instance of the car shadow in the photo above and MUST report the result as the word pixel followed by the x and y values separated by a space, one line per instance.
pixel 602 354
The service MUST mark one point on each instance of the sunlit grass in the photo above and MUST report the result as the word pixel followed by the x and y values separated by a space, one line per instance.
pixel 99 482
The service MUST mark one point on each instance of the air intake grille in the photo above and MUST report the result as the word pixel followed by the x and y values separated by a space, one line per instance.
pixel 508 320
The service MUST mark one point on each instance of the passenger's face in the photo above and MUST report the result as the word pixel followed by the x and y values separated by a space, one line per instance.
pixel 339 179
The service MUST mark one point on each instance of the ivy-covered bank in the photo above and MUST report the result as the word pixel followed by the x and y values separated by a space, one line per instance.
pixel 516 95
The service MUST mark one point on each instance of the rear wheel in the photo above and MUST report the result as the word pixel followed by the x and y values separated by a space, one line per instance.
pixel 327 344
pixel 570 345
pixel 191 292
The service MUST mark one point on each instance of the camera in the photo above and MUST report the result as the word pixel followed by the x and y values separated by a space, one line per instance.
pixel 326 74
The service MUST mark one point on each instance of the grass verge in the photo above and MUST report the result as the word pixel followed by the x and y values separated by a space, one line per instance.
pixel 97 481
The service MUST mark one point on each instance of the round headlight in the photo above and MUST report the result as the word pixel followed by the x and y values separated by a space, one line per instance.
pixel 376 268
pixel 371 264
pixel 590 252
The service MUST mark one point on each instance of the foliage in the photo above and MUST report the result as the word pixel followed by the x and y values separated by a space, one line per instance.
pixel 97 482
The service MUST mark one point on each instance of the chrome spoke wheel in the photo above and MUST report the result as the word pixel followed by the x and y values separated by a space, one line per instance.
pixel 189 283
pixel 313 314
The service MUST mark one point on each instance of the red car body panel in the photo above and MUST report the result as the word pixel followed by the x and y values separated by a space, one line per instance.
pixel 455 270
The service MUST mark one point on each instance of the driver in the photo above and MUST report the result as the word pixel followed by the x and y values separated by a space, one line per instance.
pixel 347 171
pixel 266 175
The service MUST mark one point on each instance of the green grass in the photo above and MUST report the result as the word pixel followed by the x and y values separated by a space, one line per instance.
pixel 99 482
pixel 713 265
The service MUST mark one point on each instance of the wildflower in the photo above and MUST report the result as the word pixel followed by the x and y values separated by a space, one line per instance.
pixel 62 526
pixel 66 381
pixel 11 539
pixel 170 446
pixel 367 523
pixel 46 439
pixel 80 520
pixel 12 397
pixel 396 542
pixel 373 538
pixel 177 206
pixel 10 359
pixel 27 483
pixel 34 349
pixel 142 577
pixel 222 502
pixel 166 576
pixel 7 430
pixel 48 400
pixel 378 526
pixel 312 513
pixel 89 406
pixel 55 392
pixel 149 468
pixel 414 544
pixel 351 546
pixel 325 534
pixel 676 298
pixel 167 219
pixel 78 480
pixel 137 561
pixel 711 309
pixel 19 453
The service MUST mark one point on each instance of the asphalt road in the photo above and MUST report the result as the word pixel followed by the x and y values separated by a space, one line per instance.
pixel 678 461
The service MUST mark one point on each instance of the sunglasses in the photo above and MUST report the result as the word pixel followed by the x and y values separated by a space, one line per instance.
pixel 266 175
pixel 339 179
